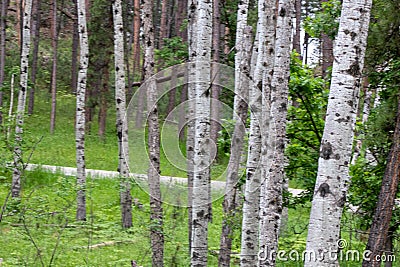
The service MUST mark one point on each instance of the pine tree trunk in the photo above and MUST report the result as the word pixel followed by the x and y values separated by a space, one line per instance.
pixel 242 68
pixel 80 111
pixel 74 54
pixel 26 43
pixel 104 101
pixel 327 51
pixel 156 211
pixel 201 157
pixel 3 26
pixel 215 89
pixel 274 139
pixel 36 13
pixel 54 43
pixel 296 37
pixel 163 23
pixel 379 233
pixel 180 15
pixel 121 121
pixel 336 147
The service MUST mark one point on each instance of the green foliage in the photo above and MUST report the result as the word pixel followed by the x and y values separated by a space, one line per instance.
pixel 326 20
pixel 174 52
pixel 305 124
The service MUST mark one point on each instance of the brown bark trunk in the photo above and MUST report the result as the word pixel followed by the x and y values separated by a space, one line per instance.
pixel 36 9
pixel 103 102
pixel 54 44
pixel 163 23
pixel 136 33
pixel 327 52
pixel 215 89
pixel 3 20
pixel 384 208
pixel 181 121
pixel 172 92
pixel 74 56
pixel 296 37
pixel 180 15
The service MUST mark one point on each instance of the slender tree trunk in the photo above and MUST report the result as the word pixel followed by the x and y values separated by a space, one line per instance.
pixel 215 89
pixel 327 52
pixel 192 39
pixel 26 43
pixel 80 111
pixel 201 157
pixel 3 26
pixel 249 247
pixel 36 13
pixel 274 139
pixel 335 153
pixel 179 19
pixel 136 37
pixel 379 233
pixel 163 23
pixel 74 54
pixel 172 91
pixel 121 122
pixel 156 212
pixel 54 44
pixel 242 68
pixel 103 101
pixel 182 113
pixel 296 37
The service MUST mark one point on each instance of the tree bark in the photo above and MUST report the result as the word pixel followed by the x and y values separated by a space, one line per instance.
pixel 336 147
pixel 156 211
pixel 275 90
pixel 163 23
pixel 242 68
pixel 202 157
pixel 54 44
pixel 327 52
pixel 121 121
pixel 378 237
pixel 215 89
pixel 26 43
pixel 296 37
pixel 104 101
pixel 192 39
pixel 80 111
pixel 3 27
pixel 74 54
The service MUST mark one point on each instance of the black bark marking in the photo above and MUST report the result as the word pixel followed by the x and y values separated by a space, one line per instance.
pixel 326 151
pixel 324 189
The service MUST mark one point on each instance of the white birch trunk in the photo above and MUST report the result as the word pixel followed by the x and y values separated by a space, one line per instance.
pixel 202 157
pixel 156 212
pixel 333 166
pixel 80 111
pixel 249 241
pixel 26 44
pixel 242 69
pixel 192 17
pixel 121 120
pixel 273 159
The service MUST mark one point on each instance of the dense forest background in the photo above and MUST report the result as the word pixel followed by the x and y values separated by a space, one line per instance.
pixel 223 131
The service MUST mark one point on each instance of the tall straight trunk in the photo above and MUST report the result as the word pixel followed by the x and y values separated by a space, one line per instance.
pixel 336 147
pixel 274 139
pixel 80 111
pixel 249 241
pixel 201 158
pixel 327 52
pixel 215 89
pixel 121 121
pixel 136 37
pixel 379 232
pixel 192 39
pixel 156 211
pixel 103 101
pixel 25 50
pixel 182 114
pixel 180 15
pixel 54 44
pixel 36 15
pixel 242 68
pixel 3 26
pixel 172 91
pixel 296 37
pixel 74 54
pixel 163 23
